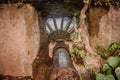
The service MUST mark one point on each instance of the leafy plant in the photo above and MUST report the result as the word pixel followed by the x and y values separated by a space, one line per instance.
pixel 106 67
pixel 114 61
pixel 117 72
pixel 104 55
pixel 86 1
pixel 72 52
pixel 81 53
pixel 77 52
pixel 111 50
pixel 104 77
pixel 101 51
pixel 107 3
pixel 111 67
pixel 113 47
pixel 75 37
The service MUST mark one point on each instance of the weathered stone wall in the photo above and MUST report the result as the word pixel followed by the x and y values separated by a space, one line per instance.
pixel 19 39
pixel 104 26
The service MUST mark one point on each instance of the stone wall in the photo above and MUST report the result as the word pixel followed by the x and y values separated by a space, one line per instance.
pixel 19 39
pixel 104 26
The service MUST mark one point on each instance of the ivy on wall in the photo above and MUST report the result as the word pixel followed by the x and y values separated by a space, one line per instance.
pixel 104 3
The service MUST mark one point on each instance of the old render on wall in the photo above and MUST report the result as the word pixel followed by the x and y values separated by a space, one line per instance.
pixel 19 39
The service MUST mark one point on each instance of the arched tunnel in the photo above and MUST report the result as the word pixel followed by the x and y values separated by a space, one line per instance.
pixel 58 24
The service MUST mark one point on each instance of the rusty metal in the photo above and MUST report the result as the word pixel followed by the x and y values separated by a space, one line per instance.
pixel 63 68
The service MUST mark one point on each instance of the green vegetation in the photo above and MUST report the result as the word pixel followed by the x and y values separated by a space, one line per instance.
pixel 106 67
pixel 111 61
pixel 114 61
pixel 102 52
pixel 104 3
pixel 110 55
pixel 77 52
pixel 117 72
pixel 112 50
pixel 104 77
pixel 111 67
pixel 113 47
pixel 110 70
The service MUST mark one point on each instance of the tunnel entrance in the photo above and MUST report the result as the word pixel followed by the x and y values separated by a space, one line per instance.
pixel 58 30
pixel 58 24
pixel 63 68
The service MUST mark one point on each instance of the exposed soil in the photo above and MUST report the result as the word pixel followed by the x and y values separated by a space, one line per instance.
pixel 94 19
pixel 42 65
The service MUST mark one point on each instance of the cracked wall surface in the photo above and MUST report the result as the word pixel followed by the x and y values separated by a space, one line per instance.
pixel 107 30
pixel 19 39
